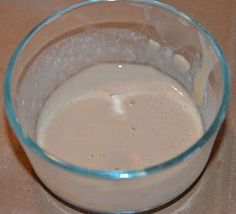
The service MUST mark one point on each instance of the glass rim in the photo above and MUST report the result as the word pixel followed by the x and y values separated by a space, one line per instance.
pixel 119 174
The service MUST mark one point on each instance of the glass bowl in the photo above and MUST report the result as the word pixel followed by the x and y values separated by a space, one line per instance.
pixel 42 61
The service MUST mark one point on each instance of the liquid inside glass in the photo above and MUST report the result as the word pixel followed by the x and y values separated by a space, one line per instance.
pixel 118 117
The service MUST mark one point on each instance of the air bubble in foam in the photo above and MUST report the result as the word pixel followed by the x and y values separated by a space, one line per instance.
pixel 132 102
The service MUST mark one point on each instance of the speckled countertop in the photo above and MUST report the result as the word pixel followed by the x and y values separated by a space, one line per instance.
pixel 214 193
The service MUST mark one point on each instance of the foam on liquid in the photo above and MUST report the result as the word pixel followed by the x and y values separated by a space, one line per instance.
pixel 118 116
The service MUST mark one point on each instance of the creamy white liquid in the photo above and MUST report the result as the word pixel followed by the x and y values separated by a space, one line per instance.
pixel 112 116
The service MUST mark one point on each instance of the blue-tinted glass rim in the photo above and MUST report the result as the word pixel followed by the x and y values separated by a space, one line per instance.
pixel 126 174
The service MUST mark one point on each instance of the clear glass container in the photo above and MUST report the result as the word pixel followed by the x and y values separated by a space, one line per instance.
pixel 162 37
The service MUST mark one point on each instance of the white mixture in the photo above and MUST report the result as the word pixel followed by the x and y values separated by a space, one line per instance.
pixel 118 116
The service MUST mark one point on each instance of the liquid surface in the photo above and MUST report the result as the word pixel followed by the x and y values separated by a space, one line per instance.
pixel 112 116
